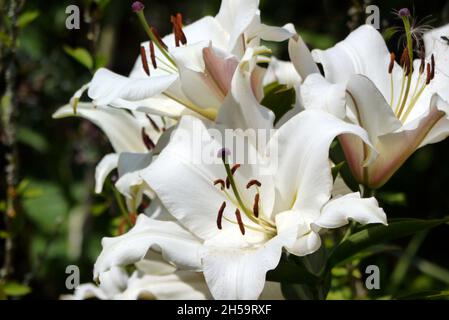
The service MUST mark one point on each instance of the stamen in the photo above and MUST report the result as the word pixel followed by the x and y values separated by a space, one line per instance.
pixel 423 62
pixel 256 205
pixel 239 221
pixel 429 74
pixel 147 140
pixel 253 183
pixel 392 59
pixel 234 168
pixel 182 36
pixel 153 55
pixel 143 56
pixel 153 124
pixel 152 33
pixel 220 215
pixel 175 30
pixel 432 59
pixel 221 182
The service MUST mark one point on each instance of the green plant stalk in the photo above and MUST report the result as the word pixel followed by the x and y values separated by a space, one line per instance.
pixel 8 113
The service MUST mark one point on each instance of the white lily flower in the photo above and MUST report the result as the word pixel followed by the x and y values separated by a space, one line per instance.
pixel 132 136
pixel 192 78
pixel 401 111
pixel 236 233
pixel 153 280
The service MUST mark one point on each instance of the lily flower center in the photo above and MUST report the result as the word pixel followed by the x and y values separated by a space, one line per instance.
pixel 254 213
pixel 408 97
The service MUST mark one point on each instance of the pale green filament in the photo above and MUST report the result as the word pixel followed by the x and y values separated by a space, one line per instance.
pixel 408 33
pixel 153 38
pixel 267 226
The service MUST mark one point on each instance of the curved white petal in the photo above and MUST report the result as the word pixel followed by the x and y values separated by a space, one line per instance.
pixel 337 212
pixel 236 16
pixel 176 244
pixel 282 72
pixel 306 244
pixel 242 110
pixel 373 112
pixel 301 57
pixel 363 52
pixel 396 147
pixel 181 285
pixel 85 292
pixel 103 169
pixel 318 93
pixel 303 180
pixel 106 87
pixel 233 274
pixel 120 127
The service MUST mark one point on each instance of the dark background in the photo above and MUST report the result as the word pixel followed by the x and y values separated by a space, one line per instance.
pixel 60 221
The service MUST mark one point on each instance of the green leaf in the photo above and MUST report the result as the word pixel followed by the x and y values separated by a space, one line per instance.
pixel 400 271
pixel 45 205
pixel 27 17
pixel 336 169
pixel 32 139
pixel 424 295
pixel 290 272
pixel 279 99
pixel 379 234
pixel 81 55
pixel 15 289
pixel 318 40
pixel 337 156
pixel 100 61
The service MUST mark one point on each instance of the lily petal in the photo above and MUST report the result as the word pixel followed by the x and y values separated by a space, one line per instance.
pixel 236 16
pixel 176 244
pixel 317 93
pixel 337 212
pixel 120 127
pixel 303 180
pixel 240 274
pixel 103 169
pixel 363 52
pixel 106 87
pixel 373 112
pixel 301 57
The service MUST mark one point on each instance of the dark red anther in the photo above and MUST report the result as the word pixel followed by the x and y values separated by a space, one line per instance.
pixel 175 30
pixel 256 206
pixel 147 140
pixel 392 59
pixel 143 56
pixel 228 183
pixel 253 183
pixel 432 73
pixel 159 39
pixel 405 61
pixel 153 55
pixel 239 221
pixel 234 168
pixel 153 124
pixel 182 36
pixel 220 215
pixel 220 182
pixel 429 74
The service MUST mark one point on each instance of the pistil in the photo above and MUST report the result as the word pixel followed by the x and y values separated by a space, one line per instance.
pixel 151 32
